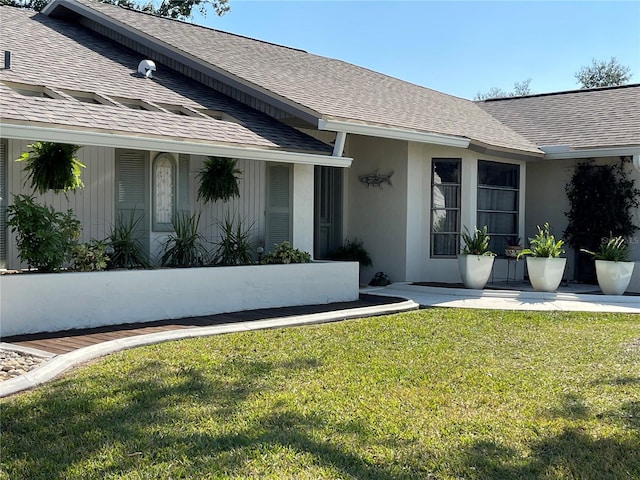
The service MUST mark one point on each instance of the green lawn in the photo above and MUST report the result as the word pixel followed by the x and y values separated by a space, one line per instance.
pixel 438 393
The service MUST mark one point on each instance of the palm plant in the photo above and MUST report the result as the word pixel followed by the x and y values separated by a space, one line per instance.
pixel 235 246
pixel 125 249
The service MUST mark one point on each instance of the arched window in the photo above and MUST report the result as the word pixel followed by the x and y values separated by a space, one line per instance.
pixel 164 192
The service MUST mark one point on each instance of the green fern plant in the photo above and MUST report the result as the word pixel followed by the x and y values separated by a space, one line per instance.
pixel 543 245
pixel 218 179
pixel 612 249
pixel 476 243
pixel 52 166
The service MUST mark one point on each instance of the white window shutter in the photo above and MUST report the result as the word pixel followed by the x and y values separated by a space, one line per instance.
pixel 279 205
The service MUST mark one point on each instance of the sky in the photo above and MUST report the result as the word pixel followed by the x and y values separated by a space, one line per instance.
pixel 456 47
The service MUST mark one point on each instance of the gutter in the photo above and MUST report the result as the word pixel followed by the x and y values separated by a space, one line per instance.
pixel 391 132
pixel 99 139
pixel 562 152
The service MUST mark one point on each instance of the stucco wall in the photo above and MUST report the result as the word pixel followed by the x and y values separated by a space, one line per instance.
pixel 547 202
pixel 378 215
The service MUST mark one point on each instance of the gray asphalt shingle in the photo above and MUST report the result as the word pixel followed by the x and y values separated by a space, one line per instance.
pixel 332 88
pixel 62 55
pixel 579 119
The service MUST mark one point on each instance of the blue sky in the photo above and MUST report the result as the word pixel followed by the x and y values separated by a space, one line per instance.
pixel 457 47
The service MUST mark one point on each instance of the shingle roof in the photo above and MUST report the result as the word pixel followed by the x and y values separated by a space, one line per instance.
pixel 63 55
pixel 332 88
pixel 580 119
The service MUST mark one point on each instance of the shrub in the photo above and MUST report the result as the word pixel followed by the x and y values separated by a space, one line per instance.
pixel 185 246
pixel 235 246
pixel 44 237
pixel 124 247
pixel 89 257
pixel 285 253
pixel 352 250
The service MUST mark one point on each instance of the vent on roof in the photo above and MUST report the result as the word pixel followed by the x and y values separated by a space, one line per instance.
pixel 146 68
pixel 7 60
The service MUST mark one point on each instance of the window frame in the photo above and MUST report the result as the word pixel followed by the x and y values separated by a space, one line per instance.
pixel 457 210
pixel 156 225
pixel 498 188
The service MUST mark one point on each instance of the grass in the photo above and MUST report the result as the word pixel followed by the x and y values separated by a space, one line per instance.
pixel 438 393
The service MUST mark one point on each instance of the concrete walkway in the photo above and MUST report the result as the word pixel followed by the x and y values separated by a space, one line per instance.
pixel 520 296
pixel 503 297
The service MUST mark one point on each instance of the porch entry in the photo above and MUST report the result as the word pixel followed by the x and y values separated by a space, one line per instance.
pixel 328 210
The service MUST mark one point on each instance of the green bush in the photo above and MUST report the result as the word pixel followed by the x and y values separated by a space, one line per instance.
pixel 44 237
pixel 185 246
pixel 352 250
pixel 124 247
pixel 285 253
pixel 235 246
pixel 89 257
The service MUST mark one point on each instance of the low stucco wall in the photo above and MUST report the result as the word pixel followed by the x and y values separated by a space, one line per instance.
pixel 34 302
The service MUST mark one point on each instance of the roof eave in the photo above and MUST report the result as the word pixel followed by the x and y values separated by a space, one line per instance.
pixel 116 140
pixel 393 133
pixel 561 152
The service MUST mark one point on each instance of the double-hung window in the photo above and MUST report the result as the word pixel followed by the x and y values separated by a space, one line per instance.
pixel 445 206
pixel 498 202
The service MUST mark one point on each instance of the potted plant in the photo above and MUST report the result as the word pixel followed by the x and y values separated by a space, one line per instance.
pixel 52 166
pixel 544 264
pixel 613 268
pixel 513 247
pixel 475 260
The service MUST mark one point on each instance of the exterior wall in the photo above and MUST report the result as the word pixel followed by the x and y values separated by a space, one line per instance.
pixel 93 205
pixel 303 198
pixel 547 202
pixel 378 216
pixel 394 221
pixel 40 302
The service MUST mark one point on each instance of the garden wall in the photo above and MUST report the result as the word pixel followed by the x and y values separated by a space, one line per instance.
pixel 33 302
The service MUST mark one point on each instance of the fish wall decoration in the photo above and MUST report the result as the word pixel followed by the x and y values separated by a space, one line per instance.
pixel 376 179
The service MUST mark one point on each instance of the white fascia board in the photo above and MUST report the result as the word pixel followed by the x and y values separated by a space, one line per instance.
pixel 392 132
pixel 99 139
pixel 563 152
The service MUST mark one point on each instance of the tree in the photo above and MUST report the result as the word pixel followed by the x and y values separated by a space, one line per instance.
pixel 178 9
pixel 519 89
pixel 603 74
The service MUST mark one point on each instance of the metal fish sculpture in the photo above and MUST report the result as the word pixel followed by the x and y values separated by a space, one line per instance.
pixel 376 179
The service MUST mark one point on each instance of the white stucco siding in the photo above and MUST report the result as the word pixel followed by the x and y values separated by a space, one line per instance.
pixel 92 205
pixel 546 201
pixel 303 201
pixel 378 215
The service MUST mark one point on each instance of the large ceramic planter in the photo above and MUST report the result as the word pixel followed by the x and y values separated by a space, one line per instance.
pixel 475 270
pixel 613 277
pixel 545 274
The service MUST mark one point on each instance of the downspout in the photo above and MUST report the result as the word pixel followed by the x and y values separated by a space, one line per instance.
pixel 338 146
pixel 636 161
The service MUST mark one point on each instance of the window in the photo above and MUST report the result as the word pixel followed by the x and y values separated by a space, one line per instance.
pixel 164 192
pixel 445 207
pixel 498 201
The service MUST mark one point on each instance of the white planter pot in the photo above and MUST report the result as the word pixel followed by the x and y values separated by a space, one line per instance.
pixel 475 270
pixel 613 277
pixel 545 274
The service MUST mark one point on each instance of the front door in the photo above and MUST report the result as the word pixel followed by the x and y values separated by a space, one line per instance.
pixel 328 210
